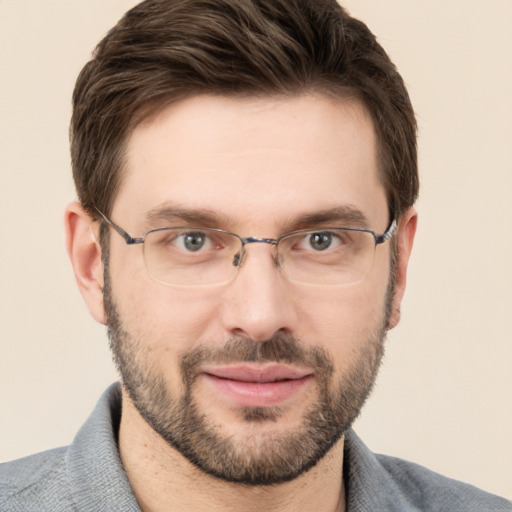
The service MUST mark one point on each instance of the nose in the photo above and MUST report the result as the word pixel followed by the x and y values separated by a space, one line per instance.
pixel 259 302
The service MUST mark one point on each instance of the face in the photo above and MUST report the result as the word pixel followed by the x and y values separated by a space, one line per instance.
pixel 253 380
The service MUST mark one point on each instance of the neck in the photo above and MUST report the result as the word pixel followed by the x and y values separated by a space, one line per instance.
pixel 162 479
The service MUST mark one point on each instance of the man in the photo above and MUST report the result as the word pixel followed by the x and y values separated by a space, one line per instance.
pixel 246 174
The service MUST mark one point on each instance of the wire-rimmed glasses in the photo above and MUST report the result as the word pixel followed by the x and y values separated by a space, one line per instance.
pixel 194 257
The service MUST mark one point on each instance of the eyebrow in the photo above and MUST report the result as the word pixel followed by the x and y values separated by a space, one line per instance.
pixel 347 216
pixel 169 213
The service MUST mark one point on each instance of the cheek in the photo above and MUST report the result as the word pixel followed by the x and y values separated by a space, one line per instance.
pixel 342 321
pixel 166 320
pixel 162 325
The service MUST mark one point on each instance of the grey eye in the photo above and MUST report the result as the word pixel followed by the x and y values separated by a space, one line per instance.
pixel 193 241
pixel 320 241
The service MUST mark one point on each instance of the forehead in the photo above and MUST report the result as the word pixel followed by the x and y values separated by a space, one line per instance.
pixel 253 160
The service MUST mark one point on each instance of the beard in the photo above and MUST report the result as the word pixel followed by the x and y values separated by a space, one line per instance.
pixel 262 457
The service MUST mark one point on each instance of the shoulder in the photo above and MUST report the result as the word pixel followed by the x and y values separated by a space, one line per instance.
pixel 86 475
pixel 37 479
pixel 431 491
pixel 379 482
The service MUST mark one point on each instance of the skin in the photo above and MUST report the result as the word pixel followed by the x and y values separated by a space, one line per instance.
pixel 260 164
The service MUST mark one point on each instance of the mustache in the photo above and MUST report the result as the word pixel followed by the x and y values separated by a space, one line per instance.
pixel 281 348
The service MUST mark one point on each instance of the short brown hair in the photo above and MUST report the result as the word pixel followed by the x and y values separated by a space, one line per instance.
pixel 166 50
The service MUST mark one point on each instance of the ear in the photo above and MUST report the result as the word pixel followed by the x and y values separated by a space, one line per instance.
pixel 82 244
pixel 406 232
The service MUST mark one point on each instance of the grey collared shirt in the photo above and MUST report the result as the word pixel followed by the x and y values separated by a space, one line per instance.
pixel 88 476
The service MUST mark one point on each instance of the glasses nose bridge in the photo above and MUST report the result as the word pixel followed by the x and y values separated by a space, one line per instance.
pixel 239 258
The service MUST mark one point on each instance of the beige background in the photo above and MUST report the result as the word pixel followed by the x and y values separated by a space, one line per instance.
pixel 444 397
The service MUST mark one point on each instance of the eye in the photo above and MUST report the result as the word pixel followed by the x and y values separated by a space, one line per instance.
pixel 320 241
pixel 193 241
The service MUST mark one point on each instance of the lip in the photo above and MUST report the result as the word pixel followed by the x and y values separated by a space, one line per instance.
pixel 257 386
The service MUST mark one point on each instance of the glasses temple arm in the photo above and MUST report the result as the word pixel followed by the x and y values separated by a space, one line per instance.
pixel 388 233
pixel 130 240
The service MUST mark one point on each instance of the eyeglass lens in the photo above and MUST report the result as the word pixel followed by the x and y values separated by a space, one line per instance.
pixel 195 257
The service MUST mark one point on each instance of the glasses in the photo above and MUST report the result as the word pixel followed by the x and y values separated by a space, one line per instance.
pixel 194 257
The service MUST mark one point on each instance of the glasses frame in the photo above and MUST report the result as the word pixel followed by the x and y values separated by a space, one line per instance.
pixel 239 257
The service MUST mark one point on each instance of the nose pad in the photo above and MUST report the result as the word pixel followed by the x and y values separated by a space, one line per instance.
pixel 239 257
pixel 278 259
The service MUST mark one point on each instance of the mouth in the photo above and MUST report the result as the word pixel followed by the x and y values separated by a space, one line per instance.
pixel 257 386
